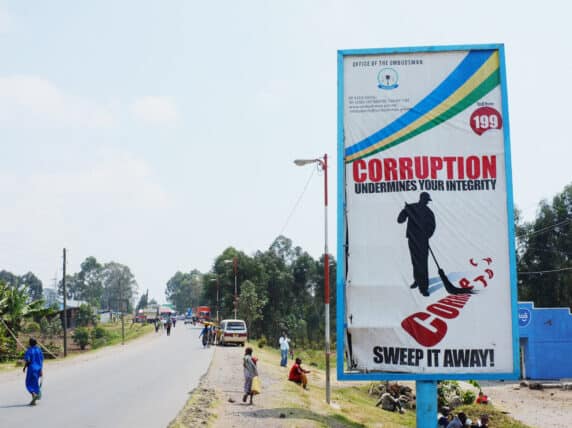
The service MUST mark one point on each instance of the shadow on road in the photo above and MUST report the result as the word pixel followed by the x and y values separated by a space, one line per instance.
pixel 14 405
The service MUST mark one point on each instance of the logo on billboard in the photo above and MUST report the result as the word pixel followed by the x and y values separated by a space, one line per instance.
pixel 387 79
pixel 523 317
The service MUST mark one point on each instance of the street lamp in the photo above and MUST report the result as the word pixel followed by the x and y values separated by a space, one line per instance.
pixel 217 305
pixel 323 164
pixel 234 262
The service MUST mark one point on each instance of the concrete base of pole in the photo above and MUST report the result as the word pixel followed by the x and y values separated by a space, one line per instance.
pixel 426 392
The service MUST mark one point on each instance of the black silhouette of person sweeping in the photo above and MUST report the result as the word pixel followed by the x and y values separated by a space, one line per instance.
pixel 420 227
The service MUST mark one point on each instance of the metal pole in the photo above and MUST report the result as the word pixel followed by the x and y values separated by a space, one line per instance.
pixel 326 278
pixel 217 304
pixel 235 262
pixel 426 392
pixel 65 308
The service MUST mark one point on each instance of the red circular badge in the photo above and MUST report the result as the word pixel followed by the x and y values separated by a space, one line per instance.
pixel 485 118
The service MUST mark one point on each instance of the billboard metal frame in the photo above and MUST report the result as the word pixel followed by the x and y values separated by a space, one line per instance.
pixel 341 227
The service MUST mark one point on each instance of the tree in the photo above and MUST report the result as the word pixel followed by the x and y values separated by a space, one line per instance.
pixel 184 290
pixel 86 316
pixel 119 287
pixel 87 284
pixel 34 285
pixel 250 303
pixel 15 306
pixel 143 301
pixel 543 253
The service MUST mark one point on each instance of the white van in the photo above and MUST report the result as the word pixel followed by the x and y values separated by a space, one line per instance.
pixel 232 331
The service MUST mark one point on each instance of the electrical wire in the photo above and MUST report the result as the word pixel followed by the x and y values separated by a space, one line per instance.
pixel 297 201
pixel 544 229
pixel 541 272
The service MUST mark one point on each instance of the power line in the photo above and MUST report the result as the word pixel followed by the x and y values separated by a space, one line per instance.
pixel 297 201
pixel 541 272
pixel 544 229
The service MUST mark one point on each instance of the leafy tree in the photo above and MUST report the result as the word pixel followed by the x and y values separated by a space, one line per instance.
pixel 183 290
pixel 15 306
pixel 142 304
pixel 119 287
pixel 34 285
pixel 543 251
pixel 87 284
pixel 86 316
pixel 81 337
pixel 250 303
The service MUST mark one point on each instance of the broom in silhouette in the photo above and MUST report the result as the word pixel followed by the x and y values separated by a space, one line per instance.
pixel 451 289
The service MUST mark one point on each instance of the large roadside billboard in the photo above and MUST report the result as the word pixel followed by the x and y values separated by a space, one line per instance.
pixel 426 279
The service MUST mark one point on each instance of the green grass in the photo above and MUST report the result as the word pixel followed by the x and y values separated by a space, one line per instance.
pixel 132 331
pixel 311 358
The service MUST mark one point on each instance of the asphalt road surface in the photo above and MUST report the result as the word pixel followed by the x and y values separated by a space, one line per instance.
pixel 143 384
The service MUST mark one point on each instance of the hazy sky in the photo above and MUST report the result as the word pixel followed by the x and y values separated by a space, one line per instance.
pixel 158 133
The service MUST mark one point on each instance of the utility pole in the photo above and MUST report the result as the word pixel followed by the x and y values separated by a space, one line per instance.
pixel 65 308
pixel 122 317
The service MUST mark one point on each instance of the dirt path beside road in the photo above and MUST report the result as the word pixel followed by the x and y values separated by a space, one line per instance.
pixel 548 408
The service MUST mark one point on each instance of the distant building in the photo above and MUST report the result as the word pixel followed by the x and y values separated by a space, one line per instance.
pixel 545 342
pixel 51 297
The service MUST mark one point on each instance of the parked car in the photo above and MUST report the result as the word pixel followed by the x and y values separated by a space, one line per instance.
pixel 232 331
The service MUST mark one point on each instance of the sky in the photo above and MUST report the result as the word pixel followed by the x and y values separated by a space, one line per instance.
pixel 157 134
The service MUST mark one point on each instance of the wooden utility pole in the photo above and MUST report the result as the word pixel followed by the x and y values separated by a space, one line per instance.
pixel 65 308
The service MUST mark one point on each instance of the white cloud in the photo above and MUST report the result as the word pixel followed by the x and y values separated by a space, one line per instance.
pixel 155 110
pixel 35 102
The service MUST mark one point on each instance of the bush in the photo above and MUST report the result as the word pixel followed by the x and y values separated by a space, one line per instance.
pixel 81 337
pixel 98 333
pixel 262 342
pixel 98 342
pixel 53 348
pixel 32 327
pixel 468 397
pixel 44 326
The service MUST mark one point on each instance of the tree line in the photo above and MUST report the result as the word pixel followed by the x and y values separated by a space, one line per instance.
pixel 279 289
pixel 544 253
pixel 106 286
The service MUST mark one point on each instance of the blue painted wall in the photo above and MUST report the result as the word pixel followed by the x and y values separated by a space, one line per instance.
pixel 545 341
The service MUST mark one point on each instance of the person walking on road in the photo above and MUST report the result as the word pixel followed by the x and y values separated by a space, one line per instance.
pixel 168 326
pixel 420 227
pixel 205 333
pixel 284 347
pixel 250 371
pixel 34 362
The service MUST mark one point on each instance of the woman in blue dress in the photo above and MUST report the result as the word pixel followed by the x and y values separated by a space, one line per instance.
pixel 34 363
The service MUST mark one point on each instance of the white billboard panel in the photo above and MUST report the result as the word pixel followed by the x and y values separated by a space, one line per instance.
pixel 427 272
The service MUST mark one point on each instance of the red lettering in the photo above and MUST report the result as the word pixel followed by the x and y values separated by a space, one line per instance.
pixel 449 162
pixel 421 167
pixel 425 332
pixel 436 166
pixel 490 166
pixel 473 167
pixel 390 169
pixel 374 169
pixel 358 170
pixel 405 169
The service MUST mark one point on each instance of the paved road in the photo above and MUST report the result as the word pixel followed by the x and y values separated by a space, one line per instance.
pixel 141 385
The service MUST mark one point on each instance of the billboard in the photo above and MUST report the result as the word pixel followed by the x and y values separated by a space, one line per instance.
pixel 426 273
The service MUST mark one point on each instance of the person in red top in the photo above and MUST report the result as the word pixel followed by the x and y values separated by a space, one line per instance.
pixel 482 398
pixel 298 374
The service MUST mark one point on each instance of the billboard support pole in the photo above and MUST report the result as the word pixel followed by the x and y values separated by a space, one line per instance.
pixel 426 392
